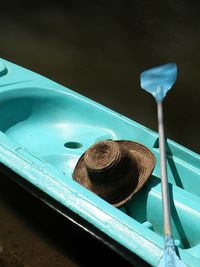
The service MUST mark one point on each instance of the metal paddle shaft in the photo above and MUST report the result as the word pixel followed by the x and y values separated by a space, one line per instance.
pixel 163 168
pixel 158 81
pixel 168 259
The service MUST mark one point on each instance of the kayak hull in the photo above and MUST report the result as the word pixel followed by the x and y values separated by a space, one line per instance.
pixel 44 129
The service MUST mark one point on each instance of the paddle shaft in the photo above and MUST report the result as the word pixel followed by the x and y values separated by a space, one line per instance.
pixel 163 167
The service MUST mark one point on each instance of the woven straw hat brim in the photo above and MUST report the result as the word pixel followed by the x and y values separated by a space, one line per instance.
pixel 140 154
pixel 145 164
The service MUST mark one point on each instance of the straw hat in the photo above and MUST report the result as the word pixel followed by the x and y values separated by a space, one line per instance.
pixel 115 170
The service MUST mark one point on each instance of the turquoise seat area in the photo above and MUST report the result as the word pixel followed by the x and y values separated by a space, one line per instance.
pixel 45 128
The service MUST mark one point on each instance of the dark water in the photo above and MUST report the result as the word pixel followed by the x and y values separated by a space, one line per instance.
pixel 99 48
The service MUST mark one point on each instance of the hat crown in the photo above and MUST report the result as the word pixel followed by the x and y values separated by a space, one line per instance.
pixel 102 159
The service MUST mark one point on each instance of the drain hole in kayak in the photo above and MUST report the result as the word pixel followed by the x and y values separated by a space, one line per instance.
pixel 73 145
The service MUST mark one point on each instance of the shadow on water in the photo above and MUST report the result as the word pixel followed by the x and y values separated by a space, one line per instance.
pixel 49 233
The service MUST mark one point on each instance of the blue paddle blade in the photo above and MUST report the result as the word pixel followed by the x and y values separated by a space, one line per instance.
pixel 159 80
pixel 169 258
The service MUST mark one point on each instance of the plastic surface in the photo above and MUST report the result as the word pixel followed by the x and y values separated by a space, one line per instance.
pixel 3 69
pixel 45 127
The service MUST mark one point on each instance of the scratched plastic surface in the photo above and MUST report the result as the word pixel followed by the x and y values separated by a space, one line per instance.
pixel 45 127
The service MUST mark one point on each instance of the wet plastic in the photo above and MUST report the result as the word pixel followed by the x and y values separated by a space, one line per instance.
pixel 45 127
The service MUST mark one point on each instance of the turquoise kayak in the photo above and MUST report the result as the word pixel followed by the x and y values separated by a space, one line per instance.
pixel 44 130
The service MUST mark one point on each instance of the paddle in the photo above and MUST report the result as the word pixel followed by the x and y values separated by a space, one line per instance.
pixel 158 81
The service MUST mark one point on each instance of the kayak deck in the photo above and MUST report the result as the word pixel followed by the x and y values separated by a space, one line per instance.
pixel 44 129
